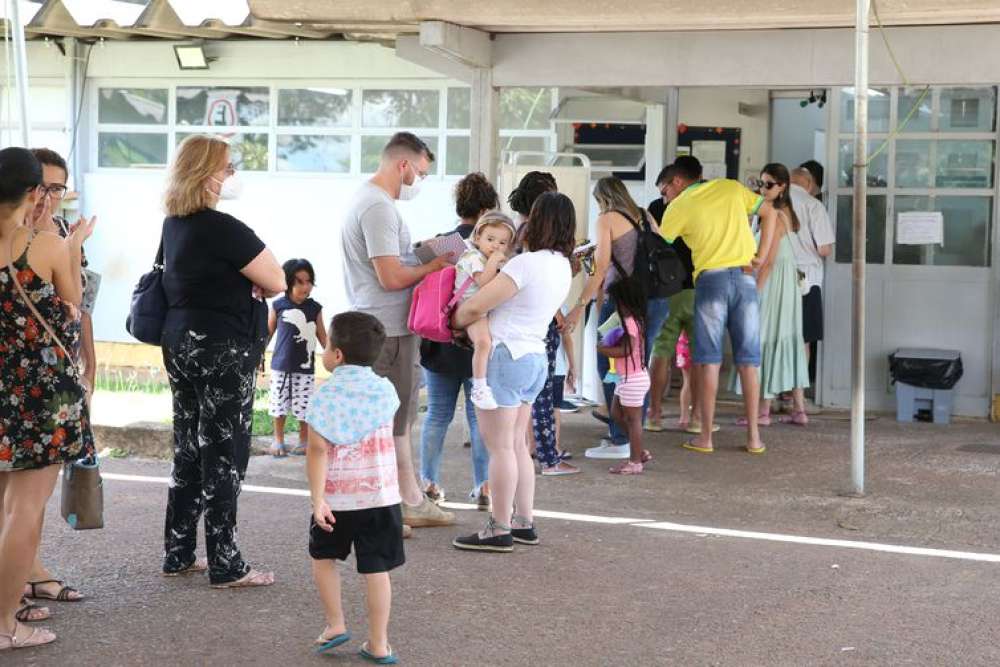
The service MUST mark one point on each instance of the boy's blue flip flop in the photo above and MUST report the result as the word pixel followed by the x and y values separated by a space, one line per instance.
pixel 389 659
pixel 333 642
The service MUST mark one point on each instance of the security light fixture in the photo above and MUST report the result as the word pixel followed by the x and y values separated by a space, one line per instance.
pixel 191 56
pixel 818 100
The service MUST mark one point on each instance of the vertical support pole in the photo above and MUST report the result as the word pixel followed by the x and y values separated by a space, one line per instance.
pixel 20 69
pixel 74 85
pixel 858 263
pixel 673 119
pixel 656 145
pixel 485 113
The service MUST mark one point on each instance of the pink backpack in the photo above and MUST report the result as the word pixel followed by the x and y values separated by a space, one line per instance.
pixel 434 301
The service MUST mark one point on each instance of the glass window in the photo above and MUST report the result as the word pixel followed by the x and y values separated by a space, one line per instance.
pixel 371 152
pixel 459 108
pixel 223 106
pixel 965 164
pixel 878 169
pixel 303 152
pixel 457 163
pixel 913 164
pixel 247 152
pixel 318 107
pixel 400 108
pixel 921 119
pixel 525 108
pixel 968 109
pixel 967 225
pixel 132 106
pixel 131 149
pixel 878 110
pixel 523 144
pixel 875 250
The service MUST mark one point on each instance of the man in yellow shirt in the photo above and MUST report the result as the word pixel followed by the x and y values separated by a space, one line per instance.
pixel 713 218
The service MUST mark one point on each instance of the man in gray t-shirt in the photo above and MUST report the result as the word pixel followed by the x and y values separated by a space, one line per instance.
pixel 380 272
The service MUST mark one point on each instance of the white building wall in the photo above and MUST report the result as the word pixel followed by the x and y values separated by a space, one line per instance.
pixel 719 107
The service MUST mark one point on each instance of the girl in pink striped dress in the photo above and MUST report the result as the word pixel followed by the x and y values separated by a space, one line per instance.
pixel 633 384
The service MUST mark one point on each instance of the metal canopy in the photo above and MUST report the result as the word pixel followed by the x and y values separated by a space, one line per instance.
pixel 620 16
pixel 155 19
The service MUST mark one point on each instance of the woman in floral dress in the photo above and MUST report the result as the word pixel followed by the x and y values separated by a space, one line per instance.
pixel 43 413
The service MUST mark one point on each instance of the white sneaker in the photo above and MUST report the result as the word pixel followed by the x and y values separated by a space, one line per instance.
pixel 607 450
pixel 482 398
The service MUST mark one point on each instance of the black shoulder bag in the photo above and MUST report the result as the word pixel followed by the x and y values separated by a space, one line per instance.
pixel 148 310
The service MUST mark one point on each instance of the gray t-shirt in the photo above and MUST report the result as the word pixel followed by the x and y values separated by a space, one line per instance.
pixel 374 228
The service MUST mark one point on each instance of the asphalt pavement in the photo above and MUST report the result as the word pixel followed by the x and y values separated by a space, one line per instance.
pixel 619 579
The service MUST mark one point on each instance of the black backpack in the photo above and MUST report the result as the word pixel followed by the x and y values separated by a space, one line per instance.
pixel 657 265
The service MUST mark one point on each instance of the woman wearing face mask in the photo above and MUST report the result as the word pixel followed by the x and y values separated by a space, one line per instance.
pixel 215 272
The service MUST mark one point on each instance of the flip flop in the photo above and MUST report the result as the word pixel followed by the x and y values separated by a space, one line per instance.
pixel 299 450
pixel 62 596
pixel 695 448
pixel 654 426
pixel 756 450
pixel 332 643
pixel 388 659
pixel 599 417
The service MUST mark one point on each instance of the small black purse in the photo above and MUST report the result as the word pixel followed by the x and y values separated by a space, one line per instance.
pixel 148 310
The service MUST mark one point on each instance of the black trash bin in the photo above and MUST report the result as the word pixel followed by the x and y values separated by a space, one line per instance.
pixel 925 380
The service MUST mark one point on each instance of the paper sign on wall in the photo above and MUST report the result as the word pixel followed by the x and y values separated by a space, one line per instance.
pixel 713 170
pixel 709 151
pixel 920 228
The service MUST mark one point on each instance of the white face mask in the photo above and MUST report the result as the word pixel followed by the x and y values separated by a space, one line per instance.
pixel 408 192
pixel 231 188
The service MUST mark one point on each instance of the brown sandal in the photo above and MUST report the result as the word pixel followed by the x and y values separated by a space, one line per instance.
pixel 64 594
pixel 38 637
pixel 31 613
pixel 198 566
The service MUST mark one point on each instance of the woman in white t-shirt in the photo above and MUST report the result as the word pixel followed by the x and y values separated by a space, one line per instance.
pixel 520 303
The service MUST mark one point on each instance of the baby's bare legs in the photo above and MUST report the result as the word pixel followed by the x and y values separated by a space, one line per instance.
pixel 479 334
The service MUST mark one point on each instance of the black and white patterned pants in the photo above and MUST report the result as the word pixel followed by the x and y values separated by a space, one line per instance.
pixel 212 382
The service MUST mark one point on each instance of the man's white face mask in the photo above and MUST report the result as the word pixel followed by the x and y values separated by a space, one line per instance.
pixel 411 190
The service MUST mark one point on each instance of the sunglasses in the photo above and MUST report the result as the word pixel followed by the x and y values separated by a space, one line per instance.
pixel 767 185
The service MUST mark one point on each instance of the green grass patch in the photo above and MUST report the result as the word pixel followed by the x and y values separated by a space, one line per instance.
pixel 263 423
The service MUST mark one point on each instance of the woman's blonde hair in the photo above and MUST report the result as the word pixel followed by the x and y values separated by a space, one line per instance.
pixel 198 157
pixel 611 195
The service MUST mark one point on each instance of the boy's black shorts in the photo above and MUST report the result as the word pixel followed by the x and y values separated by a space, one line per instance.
pixel 377 536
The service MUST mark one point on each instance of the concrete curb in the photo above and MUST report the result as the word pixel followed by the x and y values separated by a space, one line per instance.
pixel 151 439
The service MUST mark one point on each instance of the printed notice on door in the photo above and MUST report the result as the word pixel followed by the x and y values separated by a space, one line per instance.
pixel 920 228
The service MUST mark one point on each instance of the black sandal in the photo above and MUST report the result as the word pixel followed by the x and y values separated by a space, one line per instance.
pixel 23 613
pixel 62 596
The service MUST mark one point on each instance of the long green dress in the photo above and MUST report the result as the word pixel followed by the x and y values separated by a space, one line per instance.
pixel 783 365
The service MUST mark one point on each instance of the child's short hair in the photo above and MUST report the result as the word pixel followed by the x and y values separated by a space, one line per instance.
pixel 358 336
pixel 293 266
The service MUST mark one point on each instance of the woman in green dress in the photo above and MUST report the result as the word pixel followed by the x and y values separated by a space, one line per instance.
pixel 783 360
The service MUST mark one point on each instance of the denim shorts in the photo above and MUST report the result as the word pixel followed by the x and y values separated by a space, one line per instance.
pixel 515 381
pixel 726 300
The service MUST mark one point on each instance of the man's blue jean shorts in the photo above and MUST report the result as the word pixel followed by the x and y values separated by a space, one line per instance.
pixel 726 299
pixel 515 381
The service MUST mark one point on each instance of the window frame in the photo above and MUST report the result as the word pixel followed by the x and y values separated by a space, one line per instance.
pixel 844 132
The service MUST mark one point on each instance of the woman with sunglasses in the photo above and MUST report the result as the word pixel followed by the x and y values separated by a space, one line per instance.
pixel 783 365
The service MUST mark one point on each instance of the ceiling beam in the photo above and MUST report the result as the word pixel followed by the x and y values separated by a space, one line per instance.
pixel 464 45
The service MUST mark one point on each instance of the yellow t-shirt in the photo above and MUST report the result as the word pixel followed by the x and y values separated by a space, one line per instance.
pixel 713 219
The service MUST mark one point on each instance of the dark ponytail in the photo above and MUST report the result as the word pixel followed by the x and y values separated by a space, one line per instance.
pixel 528 190
pixel 20 172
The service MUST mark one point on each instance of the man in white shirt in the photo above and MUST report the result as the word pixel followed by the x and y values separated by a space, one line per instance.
pixel 812 244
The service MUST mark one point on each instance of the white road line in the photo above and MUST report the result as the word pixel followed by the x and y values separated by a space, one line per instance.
pixel 649 523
